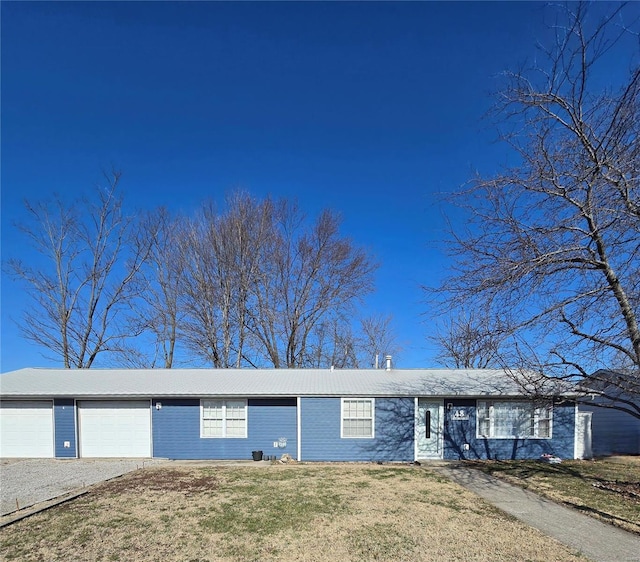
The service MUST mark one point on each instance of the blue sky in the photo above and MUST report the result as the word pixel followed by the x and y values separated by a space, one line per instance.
pixel 370 109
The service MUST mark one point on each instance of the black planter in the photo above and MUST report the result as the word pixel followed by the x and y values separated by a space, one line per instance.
pixel 257 455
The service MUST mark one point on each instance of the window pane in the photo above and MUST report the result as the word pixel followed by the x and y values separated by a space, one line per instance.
pixel 544 428
pixel 212 409
pixel 357 428
pixel 235 404
pixel 365 427
pixel 212 428
pixel 511 419
pixel 349 409
pixel 236 413
pixel 347 428
pixel 366 407
pixel 235 428
pixel 357 418
pixel 224 418
pixel 483 426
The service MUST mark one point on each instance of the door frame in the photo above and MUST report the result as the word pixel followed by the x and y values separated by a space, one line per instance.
pixel 79 436
pixel 583 444
pixel 418 428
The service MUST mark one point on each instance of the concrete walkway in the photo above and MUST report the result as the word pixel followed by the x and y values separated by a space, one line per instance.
pixel 597 541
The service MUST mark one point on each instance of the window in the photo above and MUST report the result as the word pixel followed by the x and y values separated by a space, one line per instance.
pixel 357 417
pixel 510 419
pixel 223 418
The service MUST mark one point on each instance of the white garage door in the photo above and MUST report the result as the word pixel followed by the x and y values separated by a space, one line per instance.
pixel 115 428
pixel 26 428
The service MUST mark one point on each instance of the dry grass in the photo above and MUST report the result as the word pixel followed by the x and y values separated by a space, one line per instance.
pixel 285 513
pixel 608 489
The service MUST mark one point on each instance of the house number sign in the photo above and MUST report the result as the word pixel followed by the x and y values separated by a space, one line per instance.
pixel 460 414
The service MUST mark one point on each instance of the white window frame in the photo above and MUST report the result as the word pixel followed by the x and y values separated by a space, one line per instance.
pixel 343 401
pixel 538 409
pixel 223 404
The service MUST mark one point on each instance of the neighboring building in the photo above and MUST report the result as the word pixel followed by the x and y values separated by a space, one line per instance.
pixel 312 414
pixel 613 432
pixel 604 395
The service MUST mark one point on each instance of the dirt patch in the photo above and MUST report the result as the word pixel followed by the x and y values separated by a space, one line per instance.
pixel 630 490
pixel 165 480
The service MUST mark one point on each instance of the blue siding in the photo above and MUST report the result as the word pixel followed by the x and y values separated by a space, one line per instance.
pixel 459 432
pixel 614 432
pixel 176 431
pixel 393 440
pixel 64 419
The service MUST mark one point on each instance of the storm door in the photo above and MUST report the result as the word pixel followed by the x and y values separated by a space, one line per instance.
pixel 429 414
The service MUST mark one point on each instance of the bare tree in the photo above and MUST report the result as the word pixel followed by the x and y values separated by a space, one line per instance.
pixel 225 258
pixel 82 291
pixel 316 275
pixel 345 342
pixel 162 274
pixel 261 287
pixel 251 285
pixel 207 306
pixel 469 341
pixel 554 242
pixel 377 340
pixel 333 344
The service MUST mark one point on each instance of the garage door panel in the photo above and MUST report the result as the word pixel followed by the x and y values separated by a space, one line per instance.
pixel 26 429
pixel 115 428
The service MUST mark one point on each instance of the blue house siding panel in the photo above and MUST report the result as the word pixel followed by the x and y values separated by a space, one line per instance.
pixel 394 434
pixel 176 430
pixel 64 420
pixel 614 432
pixel 458 432
pixel 271 420
pixel 393 440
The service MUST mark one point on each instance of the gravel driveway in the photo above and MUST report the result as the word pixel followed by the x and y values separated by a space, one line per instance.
pixel 26 482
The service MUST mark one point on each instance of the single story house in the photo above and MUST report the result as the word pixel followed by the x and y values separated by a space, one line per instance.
pixel 311 414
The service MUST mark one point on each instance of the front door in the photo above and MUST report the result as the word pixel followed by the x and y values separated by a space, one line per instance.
pixel 429 414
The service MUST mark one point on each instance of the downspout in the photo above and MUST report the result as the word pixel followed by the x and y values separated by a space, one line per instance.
pixel 299 428
pixel 415 428
pixel 575 431
pixel 151 408
pixel 76 423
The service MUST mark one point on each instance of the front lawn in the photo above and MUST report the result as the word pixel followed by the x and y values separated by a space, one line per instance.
pixel 353 512
pixel 608 489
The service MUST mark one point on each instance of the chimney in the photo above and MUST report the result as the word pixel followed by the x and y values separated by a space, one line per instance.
pixel 387 359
